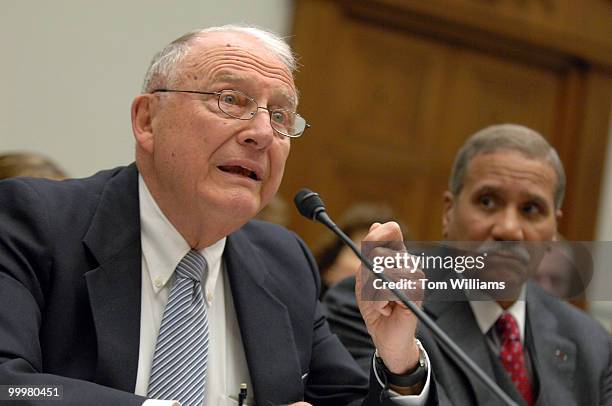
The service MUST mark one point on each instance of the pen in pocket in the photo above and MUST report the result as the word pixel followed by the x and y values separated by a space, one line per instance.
pixel 243 394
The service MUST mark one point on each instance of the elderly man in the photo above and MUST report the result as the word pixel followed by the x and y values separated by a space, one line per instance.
pixel 507 184
pixel 148 284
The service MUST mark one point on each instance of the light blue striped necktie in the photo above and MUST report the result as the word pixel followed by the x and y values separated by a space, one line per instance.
pixel 181 353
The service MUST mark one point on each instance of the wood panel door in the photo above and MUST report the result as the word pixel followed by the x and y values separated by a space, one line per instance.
pixel 390 107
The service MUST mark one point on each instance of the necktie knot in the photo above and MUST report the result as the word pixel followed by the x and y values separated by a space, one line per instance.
pixel 192 266
pixel 507 328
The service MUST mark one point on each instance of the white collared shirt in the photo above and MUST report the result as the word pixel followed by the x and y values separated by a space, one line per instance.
pixel 163 247
pixel 486 313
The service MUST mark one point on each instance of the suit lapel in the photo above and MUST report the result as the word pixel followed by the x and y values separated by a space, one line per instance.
pixel 265 325
pixel 114 286
pixel 457 320
pixel 553 355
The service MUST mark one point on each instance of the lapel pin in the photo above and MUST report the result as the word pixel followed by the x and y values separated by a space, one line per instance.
pixel 561 355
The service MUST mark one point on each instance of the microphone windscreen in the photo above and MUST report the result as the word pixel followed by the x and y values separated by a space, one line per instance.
pixel 308 203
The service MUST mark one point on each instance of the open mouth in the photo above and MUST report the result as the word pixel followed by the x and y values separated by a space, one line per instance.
pixel 240 170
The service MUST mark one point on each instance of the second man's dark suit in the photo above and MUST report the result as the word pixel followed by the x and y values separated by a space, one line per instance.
pixel 571 353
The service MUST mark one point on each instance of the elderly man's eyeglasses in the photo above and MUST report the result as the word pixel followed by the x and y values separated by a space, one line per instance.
pixel 238 105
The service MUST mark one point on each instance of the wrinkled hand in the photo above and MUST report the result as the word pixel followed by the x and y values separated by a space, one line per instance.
pixel 390 323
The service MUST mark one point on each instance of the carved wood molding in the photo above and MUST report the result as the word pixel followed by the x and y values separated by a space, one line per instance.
pixel 478 21
pixel 547 6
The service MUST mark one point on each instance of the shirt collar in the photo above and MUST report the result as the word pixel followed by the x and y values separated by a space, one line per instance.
pixel 163 246
pixel 487 312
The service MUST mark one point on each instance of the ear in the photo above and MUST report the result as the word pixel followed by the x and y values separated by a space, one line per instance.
pixel 142 117
pixel 449 203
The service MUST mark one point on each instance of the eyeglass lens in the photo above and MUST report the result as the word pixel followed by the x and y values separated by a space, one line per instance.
pixel 239 105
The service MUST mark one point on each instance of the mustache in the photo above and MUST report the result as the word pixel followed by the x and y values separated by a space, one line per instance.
pixel 510 249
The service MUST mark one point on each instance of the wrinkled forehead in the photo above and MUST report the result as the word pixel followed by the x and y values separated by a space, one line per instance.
pixel 228 56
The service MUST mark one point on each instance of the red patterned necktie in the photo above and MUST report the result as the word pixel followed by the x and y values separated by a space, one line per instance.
pixel 512 356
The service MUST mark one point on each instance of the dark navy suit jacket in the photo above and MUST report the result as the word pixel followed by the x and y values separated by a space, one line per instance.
pixel 70 283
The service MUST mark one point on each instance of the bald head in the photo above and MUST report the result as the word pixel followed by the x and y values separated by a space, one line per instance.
pixel 167 65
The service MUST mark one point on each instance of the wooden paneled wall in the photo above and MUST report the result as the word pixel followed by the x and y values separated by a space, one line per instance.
pixel 392 88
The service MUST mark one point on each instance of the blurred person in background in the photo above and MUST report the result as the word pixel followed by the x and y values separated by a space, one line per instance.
pixel 29 164
pixel 565 270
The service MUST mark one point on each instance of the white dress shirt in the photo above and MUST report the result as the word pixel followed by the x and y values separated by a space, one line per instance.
pixel 162 249
pixel 486 313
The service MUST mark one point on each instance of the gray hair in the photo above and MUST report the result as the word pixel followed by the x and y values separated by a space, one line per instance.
pixel 165 64
pixel 507 137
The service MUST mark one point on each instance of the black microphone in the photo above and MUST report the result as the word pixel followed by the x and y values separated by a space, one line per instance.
pixel 311 206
